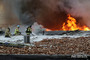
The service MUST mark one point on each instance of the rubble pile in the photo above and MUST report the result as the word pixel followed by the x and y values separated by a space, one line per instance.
pixel 53 46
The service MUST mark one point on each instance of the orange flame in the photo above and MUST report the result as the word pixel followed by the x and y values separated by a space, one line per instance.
pixel 72 26
pixel 48 30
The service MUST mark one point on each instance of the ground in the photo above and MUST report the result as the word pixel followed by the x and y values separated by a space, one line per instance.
pixel 71 43
pixel 36 38
pixel 64 46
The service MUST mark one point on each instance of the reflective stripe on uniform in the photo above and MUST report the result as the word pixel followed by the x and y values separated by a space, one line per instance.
pixel 16 31
pixel 7 33
pixel 29 31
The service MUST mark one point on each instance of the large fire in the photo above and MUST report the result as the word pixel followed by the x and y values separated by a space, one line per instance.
pixel 48 30
pixel 72 26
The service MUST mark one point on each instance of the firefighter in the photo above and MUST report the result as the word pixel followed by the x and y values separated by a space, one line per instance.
pixel 29 30
pixel 7 32
pixel 17 32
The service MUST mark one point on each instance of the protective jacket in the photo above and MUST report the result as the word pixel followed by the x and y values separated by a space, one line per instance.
pixel 28 31
pixel 17 32
pixel 7 33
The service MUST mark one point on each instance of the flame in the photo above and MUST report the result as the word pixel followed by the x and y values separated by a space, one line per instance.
pixel 48 30
pixel 72 26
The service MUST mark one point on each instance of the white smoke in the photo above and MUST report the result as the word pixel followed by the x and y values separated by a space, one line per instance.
pixel 13 6
pixel 36 28
pixel 10 13
pixel 81 8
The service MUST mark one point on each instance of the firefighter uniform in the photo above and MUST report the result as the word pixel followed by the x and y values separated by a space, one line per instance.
pixel 28 31
pixel 7 33
pixel 17 32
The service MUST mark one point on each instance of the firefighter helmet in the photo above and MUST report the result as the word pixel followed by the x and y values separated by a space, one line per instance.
pixel 18 25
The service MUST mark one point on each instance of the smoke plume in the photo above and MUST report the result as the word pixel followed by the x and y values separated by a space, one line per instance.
pixel 52 13
pixel 49 13
pixel 9 12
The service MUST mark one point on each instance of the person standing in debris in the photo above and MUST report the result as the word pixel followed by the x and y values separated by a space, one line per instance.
pixel 17 32
pixel 7 32
pixel 29 30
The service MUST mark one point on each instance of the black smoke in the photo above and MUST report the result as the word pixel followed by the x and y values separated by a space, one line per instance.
pixel 49 13
pixel 53 13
